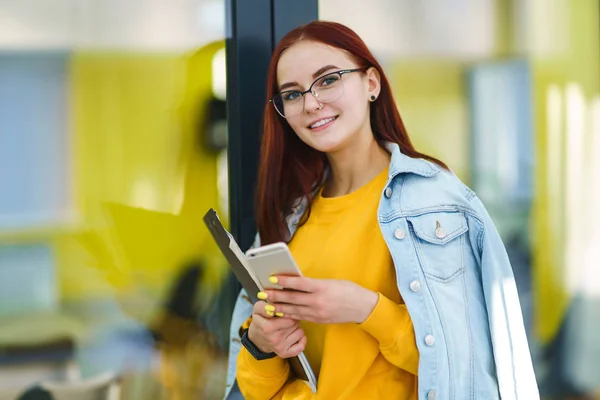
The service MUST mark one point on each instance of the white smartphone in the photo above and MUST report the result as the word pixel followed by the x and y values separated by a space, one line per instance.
pixel 272 259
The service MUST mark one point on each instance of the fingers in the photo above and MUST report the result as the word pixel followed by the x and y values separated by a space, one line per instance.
pixel 289 296
pixel 288 346
pixel 297 347
pixel 263 309
pixel 293 336
pixel 278 334
pixel 272 333
pixel 293 310
pixel 298 283
pixel 263 318
pixel 278 324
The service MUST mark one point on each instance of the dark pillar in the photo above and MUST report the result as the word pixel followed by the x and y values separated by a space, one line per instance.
pixel 253 29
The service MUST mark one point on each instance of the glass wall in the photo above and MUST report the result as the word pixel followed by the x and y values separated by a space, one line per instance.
pixel 111 150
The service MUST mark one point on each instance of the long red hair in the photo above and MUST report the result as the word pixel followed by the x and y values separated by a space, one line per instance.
pixel 290 169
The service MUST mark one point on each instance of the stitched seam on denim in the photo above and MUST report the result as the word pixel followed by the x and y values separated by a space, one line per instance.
pixel 449 236
pixel 434 167
pixel 401 184
pixel 449 279
pixel 425 210
pixel 417 171
pixel 480 237
pixel 469 192
pixel 442 324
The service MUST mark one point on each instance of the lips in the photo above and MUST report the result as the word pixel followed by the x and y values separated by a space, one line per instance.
pixel 321 122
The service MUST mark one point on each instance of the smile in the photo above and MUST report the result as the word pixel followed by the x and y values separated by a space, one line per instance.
pixel 322 122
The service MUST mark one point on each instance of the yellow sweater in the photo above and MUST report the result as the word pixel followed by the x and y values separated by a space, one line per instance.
pixel 377 359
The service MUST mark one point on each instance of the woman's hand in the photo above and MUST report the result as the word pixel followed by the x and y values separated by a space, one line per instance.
pixel 280 335
pixel 322 301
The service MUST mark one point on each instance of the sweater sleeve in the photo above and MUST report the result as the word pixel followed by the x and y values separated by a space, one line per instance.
pixel 391 325
pixel 260 379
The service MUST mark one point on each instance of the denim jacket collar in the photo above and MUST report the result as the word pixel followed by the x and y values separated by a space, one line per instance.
pixel 402 163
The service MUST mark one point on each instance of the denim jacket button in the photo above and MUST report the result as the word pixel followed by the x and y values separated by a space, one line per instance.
pixel 440 232
pixel 399 234
pixel 429 340
pixel 388 192
pixel 431 395
pixel 415 286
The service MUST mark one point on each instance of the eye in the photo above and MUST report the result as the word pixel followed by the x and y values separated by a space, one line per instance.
pixel 290 96
pixel 329 80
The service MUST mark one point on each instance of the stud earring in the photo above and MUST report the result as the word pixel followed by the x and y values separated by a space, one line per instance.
pixel 373 98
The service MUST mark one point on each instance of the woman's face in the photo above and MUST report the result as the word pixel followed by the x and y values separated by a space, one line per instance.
pixel 327 126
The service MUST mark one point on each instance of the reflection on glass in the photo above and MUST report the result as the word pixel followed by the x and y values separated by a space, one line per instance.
pixel 575 118
pixel 591 274
pixel 107 276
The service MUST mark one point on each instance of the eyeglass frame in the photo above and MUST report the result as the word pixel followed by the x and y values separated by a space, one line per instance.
pixel 309 90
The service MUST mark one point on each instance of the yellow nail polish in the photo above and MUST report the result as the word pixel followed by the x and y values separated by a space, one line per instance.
pixel 270 313
pixel 270 308
pixel 279 314
pixel 262 295
pixel 273 280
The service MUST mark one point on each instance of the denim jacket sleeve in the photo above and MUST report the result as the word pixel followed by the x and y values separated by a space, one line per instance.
pixel 514 369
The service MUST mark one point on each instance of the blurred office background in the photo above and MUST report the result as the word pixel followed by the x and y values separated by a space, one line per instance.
pixel 113 145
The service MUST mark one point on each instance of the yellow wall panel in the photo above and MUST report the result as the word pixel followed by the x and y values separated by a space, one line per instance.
pixel 432 99
pixel 579 65
pixel 142 178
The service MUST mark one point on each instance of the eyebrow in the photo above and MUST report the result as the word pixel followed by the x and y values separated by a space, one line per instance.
pixel 317 73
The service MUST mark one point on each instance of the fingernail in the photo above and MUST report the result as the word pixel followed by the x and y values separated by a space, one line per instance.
pixel 279 314
pixel 270 308
pixel 273 280
pixel 262 295
pixel 270 313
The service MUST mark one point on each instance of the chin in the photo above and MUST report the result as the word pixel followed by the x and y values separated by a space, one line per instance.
pixel 325 141
pixel 327 145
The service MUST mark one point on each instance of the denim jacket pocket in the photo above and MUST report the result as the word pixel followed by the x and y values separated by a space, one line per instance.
pixel 440 243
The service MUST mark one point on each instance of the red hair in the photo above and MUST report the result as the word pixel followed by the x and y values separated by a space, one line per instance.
pixel 290 169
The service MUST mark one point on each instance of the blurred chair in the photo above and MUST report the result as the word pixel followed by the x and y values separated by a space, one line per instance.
pixel 101 387
pixel 34 393
pixel 37 339
pixel 22 365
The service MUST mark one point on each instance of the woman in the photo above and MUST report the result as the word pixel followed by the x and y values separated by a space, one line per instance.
pixel 407 290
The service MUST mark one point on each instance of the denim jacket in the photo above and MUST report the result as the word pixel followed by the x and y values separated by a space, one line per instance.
pixel 456 280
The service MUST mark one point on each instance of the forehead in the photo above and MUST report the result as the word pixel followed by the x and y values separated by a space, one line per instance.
pixel 302 59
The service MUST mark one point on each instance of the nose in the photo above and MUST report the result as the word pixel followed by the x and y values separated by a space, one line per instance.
pixel 311 102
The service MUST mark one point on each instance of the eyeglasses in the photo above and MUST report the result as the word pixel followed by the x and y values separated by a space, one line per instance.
pixel 325 89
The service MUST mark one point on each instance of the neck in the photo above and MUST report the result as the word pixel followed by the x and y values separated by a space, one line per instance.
pixel 354 166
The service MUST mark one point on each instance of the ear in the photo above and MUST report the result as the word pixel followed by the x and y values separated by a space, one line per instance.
pixel 374 83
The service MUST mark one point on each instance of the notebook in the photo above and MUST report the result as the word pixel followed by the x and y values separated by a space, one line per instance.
pixel 246 276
